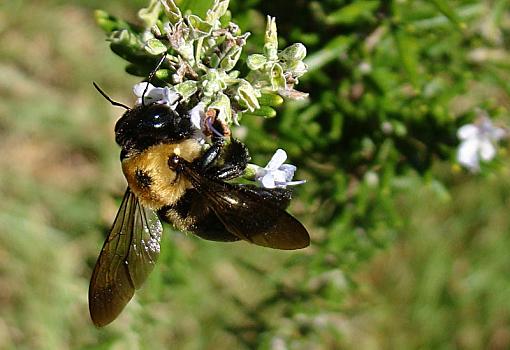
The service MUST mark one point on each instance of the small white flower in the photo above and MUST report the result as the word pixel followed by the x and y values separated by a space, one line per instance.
pixel 197 115
pixel 275 173
pixel 479 142
pixel 164 95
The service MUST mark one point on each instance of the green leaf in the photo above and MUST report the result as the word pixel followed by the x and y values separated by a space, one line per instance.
pixel 354 13
pixel 164 74
pixel 199 28
pixel 446 10
pixel 230 60
pixel 128 46
pixel 295 52
pixel 155 47
pixel 271 40
pixel 218 9
pixel 150 14
pixel 331 51
pixel 277 77
pixel 222 104
pixel 270 99
pixel 263 111
pixel 186 89
pixel 256 61
pixel 171 11
pixel 248 95
pixel 406 46
pixel 109 23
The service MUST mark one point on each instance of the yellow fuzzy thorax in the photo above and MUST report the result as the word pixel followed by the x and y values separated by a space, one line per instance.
pixel 164 189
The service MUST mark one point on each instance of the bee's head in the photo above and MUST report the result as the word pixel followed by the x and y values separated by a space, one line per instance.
pixel 147 125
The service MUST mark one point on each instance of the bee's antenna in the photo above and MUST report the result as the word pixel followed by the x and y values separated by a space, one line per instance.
pixel 151 75
pixel 115 103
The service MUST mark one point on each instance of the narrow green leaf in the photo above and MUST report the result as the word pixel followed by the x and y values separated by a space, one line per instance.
pixel 332 50
pixel 407 50
pixel 354 13
pixel 263 111
pixel 446 10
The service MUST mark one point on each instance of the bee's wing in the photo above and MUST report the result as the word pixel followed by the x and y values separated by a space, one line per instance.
pixel 252 216
pixel 128 256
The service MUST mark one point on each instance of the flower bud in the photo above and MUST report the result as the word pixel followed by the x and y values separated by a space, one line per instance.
pixel 295 52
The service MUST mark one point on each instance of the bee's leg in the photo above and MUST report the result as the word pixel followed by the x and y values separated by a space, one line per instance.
pixel 192 213
pixel 236 158
pixel 208 159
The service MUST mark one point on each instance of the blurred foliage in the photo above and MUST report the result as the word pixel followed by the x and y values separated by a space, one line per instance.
pixel 390 83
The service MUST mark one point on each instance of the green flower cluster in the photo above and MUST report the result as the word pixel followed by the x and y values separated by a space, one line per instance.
pixel 201 54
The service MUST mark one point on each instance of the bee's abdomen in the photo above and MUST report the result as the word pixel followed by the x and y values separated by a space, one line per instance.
pixel 191 214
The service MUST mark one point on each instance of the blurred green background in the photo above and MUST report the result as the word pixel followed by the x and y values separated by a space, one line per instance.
pixel 442 279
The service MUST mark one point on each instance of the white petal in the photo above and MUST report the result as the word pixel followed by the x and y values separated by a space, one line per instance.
pixel 277 160
pixel 468 131
pixel 170 96
pixel 279 176
pixel 487 150
pixel 498 133
pixel 156 94
pixel 268 181
pixel 289 171
pixel 294 183
pixel 197 114
pixel 468 154
pixel 260 172
pixel 139 88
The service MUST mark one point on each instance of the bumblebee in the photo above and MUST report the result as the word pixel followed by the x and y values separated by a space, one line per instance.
pixel 172 178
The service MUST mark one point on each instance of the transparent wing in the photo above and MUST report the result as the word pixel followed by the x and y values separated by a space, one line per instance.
pixel 128 256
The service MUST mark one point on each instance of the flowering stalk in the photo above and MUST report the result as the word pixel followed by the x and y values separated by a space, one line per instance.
pixel 201 56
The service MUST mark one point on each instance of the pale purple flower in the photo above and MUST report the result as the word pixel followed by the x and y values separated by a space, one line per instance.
pixel 478 142
pixel 164 95
pixel 275 173
pixel 197 115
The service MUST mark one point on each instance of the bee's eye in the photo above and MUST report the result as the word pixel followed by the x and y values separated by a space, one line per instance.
pixel 173 161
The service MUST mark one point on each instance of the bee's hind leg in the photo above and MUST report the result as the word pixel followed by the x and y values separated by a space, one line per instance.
pixel 235 159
